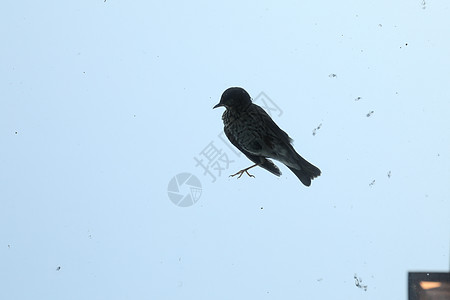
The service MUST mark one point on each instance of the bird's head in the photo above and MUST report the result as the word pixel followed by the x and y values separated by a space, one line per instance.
pixel 234 98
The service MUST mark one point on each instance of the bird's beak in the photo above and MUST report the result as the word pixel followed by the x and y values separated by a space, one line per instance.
pixel 218 105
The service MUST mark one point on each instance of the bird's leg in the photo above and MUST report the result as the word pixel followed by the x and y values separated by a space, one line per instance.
pixel 244 170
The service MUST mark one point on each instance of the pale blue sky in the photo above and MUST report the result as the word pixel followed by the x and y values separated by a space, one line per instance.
pixel 103 103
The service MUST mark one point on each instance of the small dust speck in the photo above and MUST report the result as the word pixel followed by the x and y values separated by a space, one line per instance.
pixel 332 75
pixel 358 283
pixel 389 174
pixel 358 98
pixel 15 132
pixel 58 268
pixel 370 113
pixel 316 129
pixel 372 183
pixel 262 207
pixel 424 4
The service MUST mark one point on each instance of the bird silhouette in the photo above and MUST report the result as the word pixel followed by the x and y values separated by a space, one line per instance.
pixel 250 129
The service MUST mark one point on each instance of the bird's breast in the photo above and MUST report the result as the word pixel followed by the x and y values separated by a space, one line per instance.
pixel 245 129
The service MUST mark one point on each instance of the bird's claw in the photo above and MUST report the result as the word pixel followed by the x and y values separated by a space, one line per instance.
pixel 242 172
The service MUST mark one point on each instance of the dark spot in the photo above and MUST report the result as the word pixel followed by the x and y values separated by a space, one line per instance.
pixel 315 129
pixel 358 283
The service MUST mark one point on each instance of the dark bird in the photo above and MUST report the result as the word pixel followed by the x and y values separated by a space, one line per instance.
pixel 250 129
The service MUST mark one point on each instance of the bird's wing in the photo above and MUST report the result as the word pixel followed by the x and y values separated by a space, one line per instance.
pixel 274 130
pixel 260 160
pixel 276 133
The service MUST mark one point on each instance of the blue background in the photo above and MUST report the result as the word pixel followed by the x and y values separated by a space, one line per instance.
pixel 103 103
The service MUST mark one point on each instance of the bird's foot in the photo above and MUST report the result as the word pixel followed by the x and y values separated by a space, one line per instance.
pixel 244 171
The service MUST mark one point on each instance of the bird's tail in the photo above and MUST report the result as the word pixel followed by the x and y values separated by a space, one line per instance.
pixel 305 171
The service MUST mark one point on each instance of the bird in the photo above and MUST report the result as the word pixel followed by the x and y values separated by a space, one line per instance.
pixel 251 130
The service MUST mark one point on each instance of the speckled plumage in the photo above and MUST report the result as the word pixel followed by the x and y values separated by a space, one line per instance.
pixel 250 129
